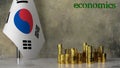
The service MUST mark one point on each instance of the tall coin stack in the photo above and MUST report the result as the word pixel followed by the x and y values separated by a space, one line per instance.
pixel 60 54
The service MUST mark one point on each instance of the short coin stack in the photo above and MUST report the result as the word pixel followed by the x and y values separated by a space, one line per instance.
pixel 73 56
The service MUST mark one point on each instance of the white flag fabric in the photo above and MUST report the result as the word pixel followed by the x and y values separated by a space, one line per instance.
pixel 24 29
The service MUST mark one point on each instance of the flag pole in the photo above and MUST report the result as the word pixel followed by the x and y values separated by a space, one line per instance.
pixel 18 55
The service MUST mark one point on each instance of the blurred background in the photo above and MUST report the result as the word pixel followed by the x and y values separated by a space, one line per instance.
pixel 64 24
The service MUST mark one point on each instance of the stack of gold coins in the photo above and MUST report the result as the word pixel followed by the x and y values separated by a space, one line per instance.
pixel 83 56
pixel 95 55
pixel 67 58
pixel 79 60
pixel 59 52
pixel 103 57
pixel 100 53
pixel 73 56
pixel 86 52
pixel 62 59
pixel 89 55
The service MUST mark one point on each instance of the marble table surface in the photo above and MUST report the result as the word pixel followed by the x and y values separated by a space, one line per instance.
pixel 52 63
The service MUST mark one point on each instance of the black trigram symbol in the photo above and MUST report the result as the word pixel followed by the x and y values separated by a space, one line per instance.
pixel 37 30
pixel 27 44
pixel 22 1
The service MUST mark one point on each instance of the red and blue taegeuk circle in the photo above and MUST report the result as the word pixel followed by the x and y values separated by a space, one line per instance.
pixel 23 21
